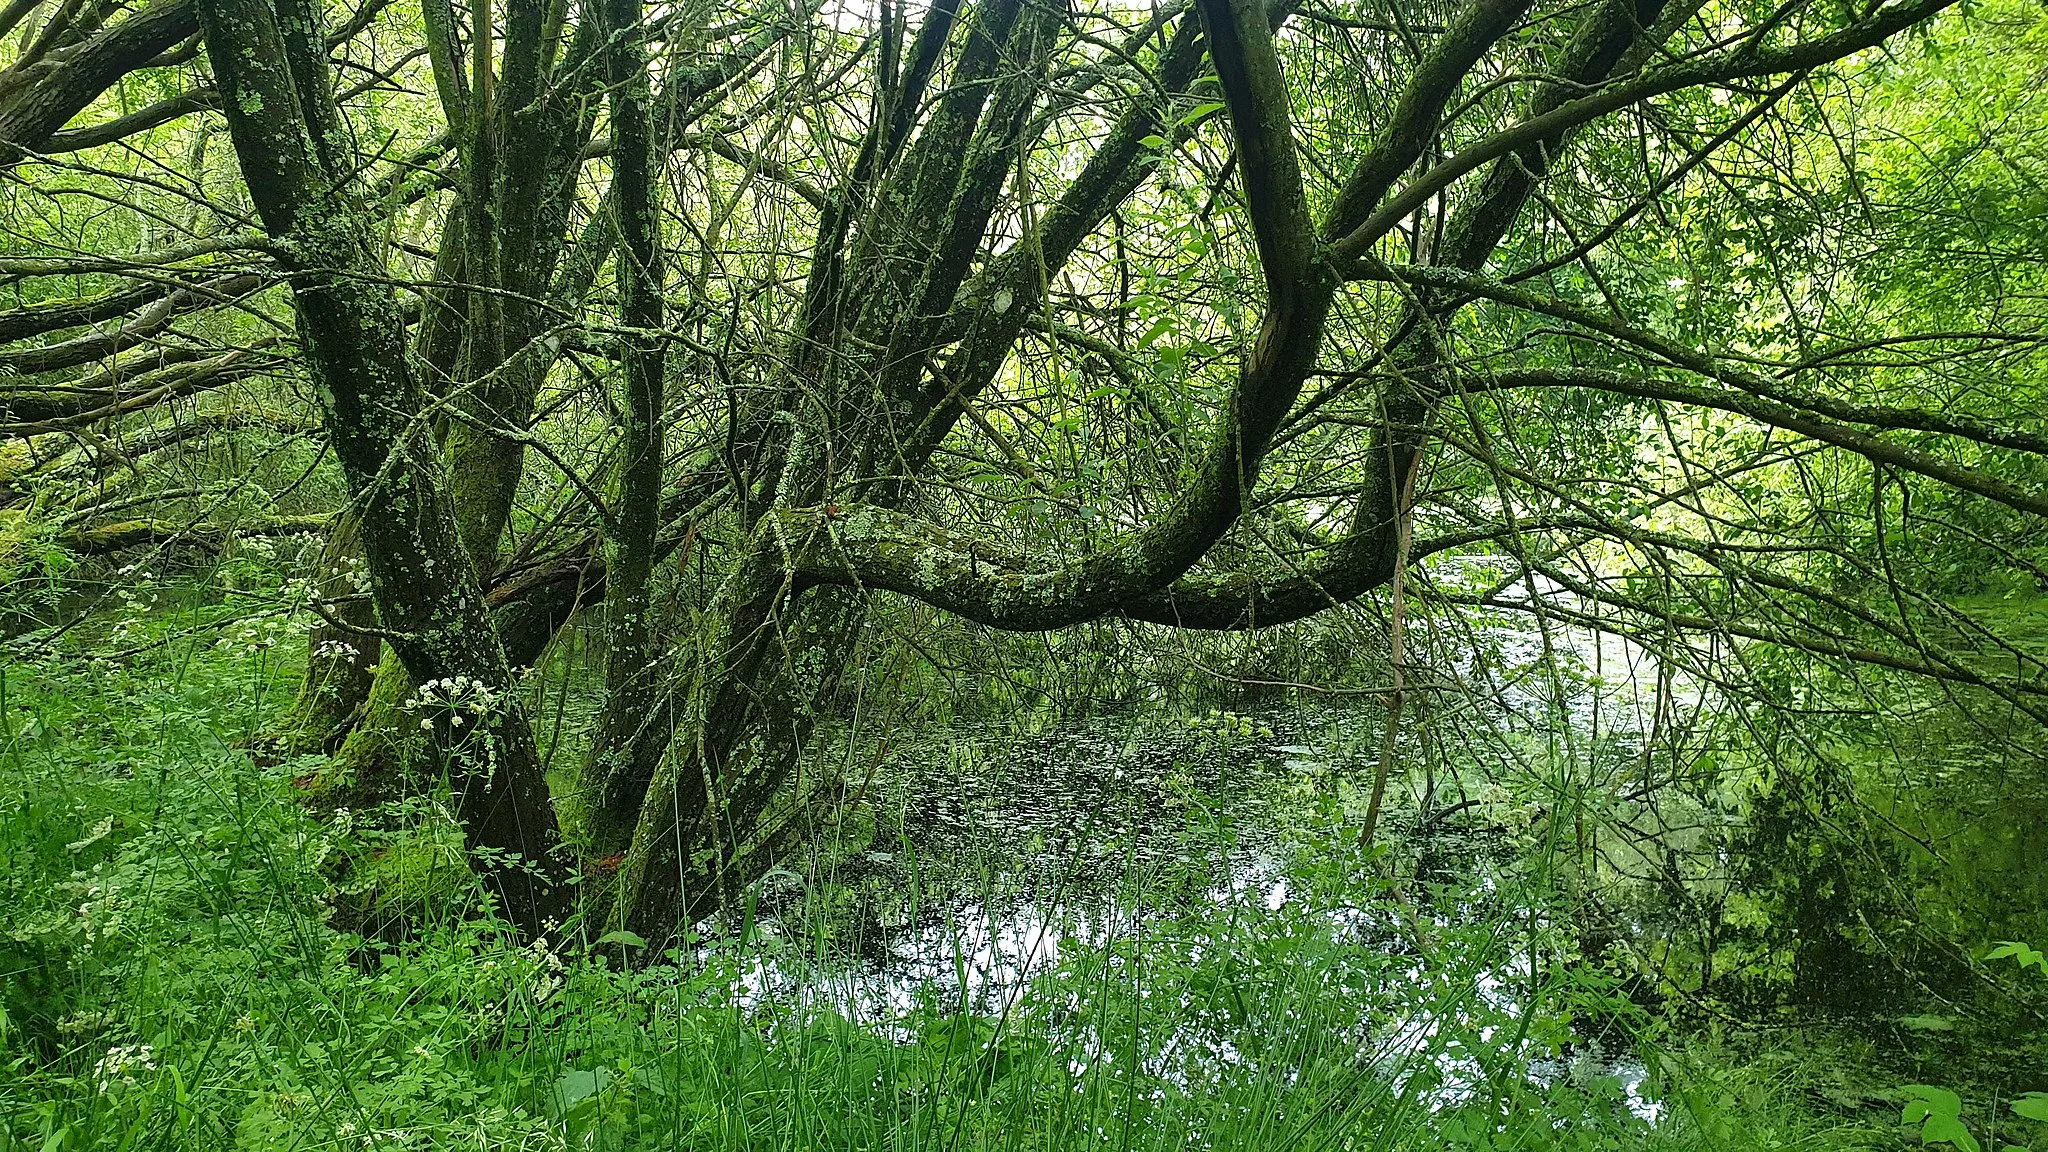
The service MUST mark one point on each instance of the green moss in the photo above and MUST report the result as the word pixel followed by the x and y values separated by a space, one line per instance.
pixel 420 872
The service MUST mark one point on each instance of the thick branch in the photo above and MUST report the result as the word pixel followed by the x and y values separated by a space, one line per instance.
pixel 104 538
pixel 42 106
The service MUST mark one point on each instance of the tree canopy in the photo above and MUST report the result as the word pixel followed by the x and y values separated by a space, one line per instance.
pixel 1714 323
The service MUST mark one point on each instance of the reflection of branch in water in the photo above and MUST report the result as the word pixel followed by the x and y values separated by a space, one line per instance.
pixel 1404 532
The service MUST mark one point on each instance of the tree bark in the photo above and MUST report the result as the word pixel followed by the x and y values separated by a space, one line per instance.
pixel 631 672
pixel 278 96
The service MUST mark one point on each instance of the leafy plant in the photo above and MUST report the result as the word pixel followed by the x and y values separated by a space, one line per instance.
pixel 1935 1115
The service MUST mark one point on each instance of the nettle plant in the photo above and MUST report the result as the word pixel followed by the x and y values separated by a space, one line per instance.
pixel 1935 1114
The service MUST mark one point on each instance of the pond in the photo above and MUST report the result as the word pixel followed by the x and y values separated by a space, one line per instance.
pixel 1643 830
pixel 988 859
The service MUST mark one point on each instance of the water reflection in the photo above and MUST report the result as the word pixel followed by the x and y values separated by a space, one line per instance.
pixel 997 857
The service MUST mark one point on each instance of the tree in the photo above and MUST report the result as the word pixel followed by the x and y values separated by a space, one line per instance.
pixel 1208 319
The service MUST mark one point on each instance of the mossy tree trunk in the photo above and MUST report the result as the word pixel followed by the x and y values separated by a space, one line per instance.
pixel 633 520
pixel 277 89
pixel 342 652
pixel 507 268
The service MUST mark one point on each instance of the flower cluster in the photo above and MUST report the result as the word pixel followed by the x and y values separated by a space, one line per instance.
pixel 353 571
pixel 548 971
pixel 298 592
pixel 459 699
pixel 121 1063
pixel 258 635
pixel 336 650
pixel 138 595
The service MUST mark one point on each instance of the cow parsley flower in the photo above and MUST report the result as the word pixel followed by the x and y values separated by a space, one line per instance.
pixel 122 1063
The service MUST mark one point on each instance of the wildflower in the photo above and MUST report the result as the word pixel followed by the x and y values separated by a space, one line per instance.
pixel 121 1063
pixel 99 832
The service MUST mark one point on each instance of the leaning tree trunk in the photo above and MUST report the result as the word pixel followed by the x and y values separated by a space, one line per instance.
pixel 342 652
pixel 723 798
pixel 706 782
pixel 296 158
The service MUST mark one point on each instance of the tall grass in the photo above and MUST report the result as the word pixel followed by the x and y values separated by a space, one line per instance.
pixel 171 976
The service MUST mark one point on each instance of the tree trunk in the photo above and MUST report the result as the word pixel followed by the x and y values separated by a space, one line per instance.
pixel 631 674
pixel 271 64
pixel 342 653
pixel 722 801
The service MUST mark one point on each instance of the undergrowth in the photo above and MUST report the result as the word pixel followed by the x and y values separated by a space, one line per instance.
pixel 174 977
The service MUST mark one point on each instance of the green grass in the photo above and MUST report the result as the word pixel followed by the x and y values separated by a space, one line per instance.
pixel 171 977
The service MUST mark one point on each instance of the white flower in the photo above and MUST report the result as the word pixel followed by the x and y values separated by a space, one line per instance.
pixel 99 832
pixel 121 1063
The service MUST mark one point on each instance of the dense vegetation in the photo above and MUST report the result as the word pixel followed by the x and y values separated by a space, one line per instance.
pixel 1000 574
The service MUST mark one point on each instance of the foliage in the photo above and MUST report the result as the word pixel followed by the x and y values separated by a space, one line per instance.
pixel 1460 574
pixel 175 980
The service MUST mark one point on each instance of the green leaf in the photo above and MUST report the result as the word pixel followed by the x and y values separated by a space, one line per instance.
pixel 1201 110
pixel 2026 956
pixel 2033 1106
pixel 1153 142
pixel 1940 1100
pixel 1159 328
pixel 1938 1112
pixel 576 1089
pixel 623 939
pixel 1928 1023
pixel 1949 1130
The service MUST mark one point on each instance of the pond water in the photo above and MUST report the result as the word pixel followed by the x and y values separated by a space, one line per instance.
pixel 996 854
pixel 982 857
